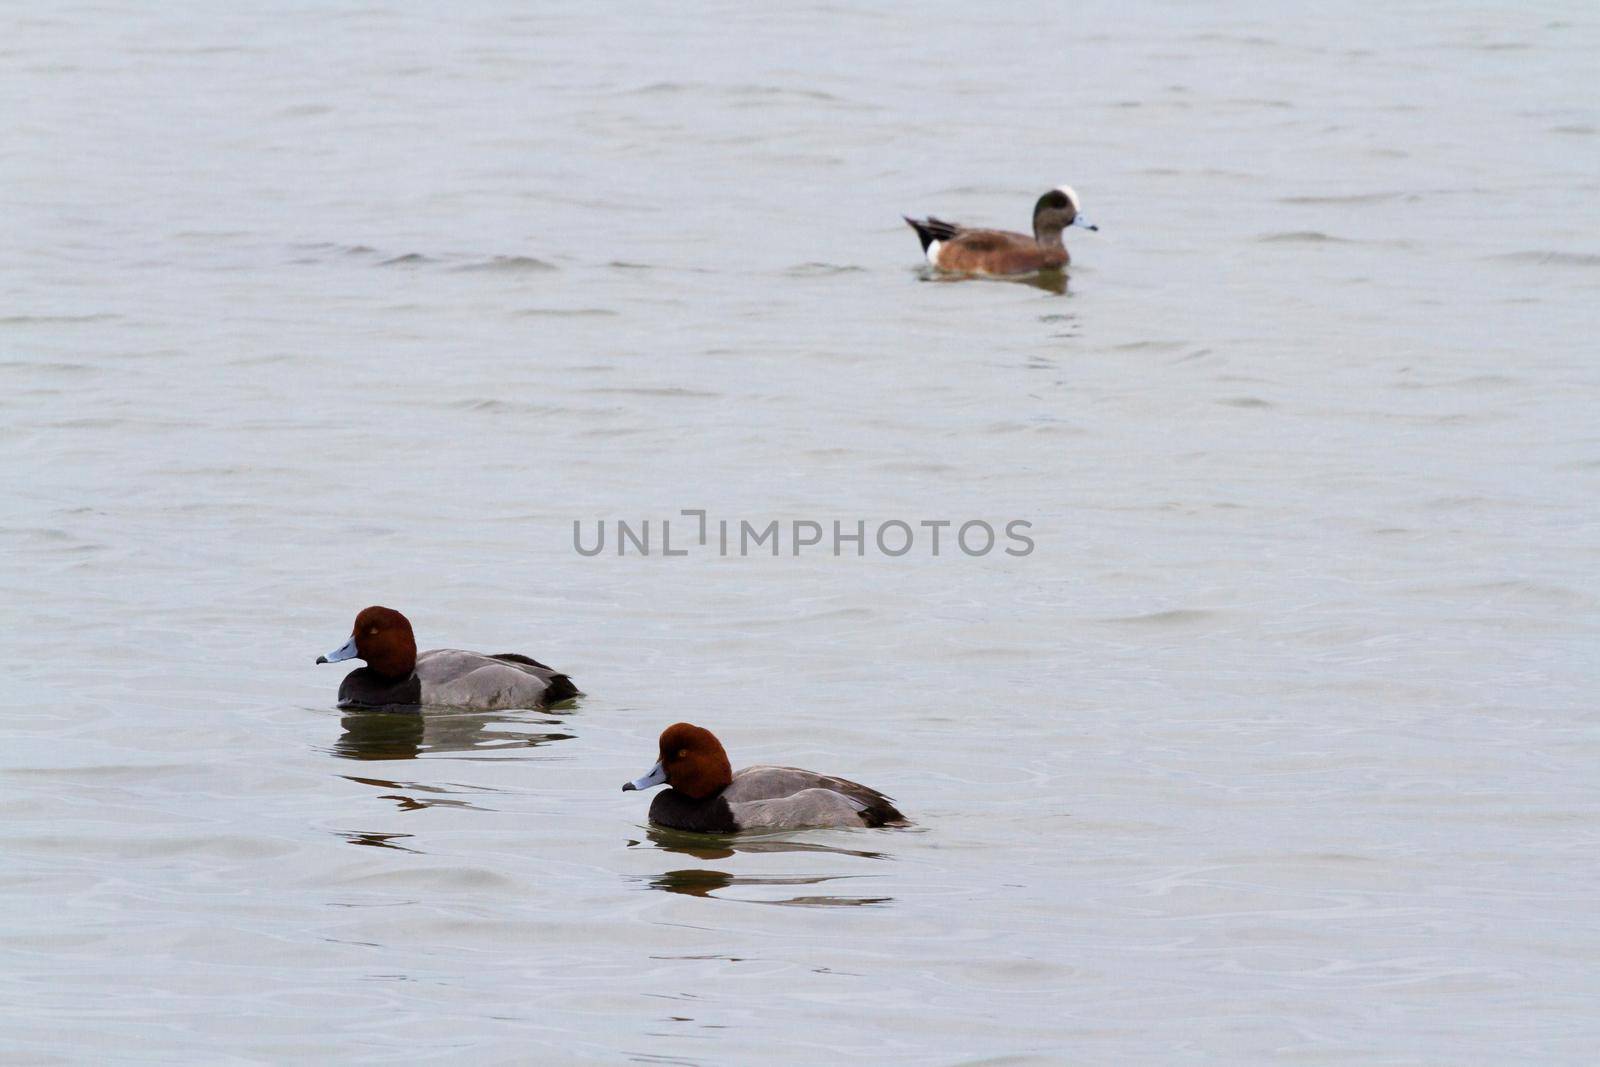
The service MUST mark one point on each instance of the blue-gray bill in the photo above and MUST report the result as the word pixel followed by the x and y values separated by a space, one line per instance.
pixel 656 776
pixel 344 651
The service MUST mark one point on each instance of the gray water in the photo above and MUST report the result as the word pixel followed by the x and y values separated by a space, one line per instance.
pixel 1279 747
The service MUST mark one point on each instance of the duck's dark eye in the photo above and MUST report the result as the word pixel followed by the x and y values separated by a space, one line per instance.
pixel 682 752
pixel 372 631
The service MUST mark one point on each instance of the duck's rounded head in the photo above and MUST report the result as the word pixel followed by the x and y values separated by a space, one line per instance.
pixel 692 761
pixel 1058 209
pixel 382 637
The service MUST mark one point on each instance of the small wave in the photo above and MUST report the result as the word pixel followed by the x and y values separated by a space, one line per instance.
pixel 90 422
pixel 666 390
pixel 1353 198
pixel 565 313
pixel 1466 502
pixel 1246 402
pixel 196 50
pixel 332 247
pixel 57 367
pixel 1175 617
pixel 1512 591
pixel 1253 101
pixel 974 190
pixel 510 265
pixel 1301 237
pixel 1149 346
pixel 56 320
pixel 263 361
pixel 410 259
pixel 497 406
pixel 931 470
pixel 49 535
pixel 784 91
pixel 1034 427
pixel 822 270
pixel 660 89
pixel 749 91
pixel 1472 381
pixel 1254 40
pixel 1546 258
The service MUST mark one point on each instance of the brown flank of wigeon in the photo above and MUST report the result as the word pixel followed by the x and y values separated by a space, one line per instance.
pixel 955 248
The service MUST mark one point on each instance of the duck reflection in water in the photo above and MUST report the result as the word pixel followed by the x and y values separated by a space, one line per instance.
pixel 1051 281
pixel 704 883
pixel 721 846
pixel 376 840
pixel 381 735
pixel 407 802
pixel 699 882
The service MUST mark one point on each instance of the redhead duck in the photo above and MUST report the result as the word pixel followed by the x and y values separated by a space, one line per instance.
pixel 704 794
pixel 960 250
pixel 396 674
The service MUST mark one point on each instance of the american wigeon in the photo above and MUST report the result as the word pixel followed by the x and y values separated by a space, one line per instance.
pixel 704 794
pixel 955 248
pixel 396 674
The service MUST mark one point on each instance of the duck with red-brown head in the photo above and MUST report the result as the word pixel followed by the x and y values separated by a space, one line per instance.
pixel 383 638
pixel 705 795
pixel 692 761
pixel 397 675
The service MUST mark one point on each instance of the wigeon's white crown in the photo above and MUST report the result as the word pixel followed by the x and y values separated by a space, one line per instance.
pixel 1066 190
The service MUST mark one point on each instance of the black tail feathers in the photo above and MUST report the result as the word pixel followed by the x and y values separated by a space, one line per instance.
pixel 931 229
pixel 561 688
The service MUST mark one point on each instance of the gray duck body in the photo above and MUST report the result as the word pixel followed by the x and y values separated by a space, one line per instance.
pixel 451 677
pixel 776 798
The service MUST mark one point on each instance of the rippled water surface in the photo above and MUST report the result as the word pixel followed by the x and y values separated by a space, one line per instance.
pixel 1279 747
